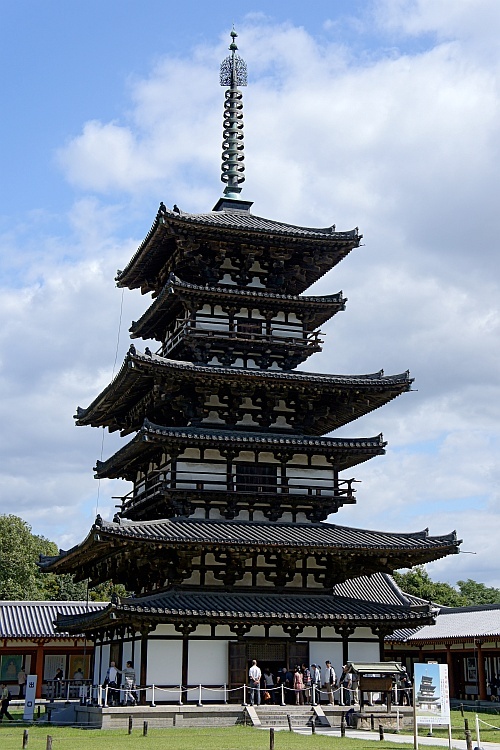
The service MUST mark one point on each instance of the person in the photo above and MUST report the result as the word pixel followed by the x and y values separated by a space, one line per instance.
pixel 346 682
pixel 281 680
pixel 111 682
pixel 405 695
pixel 5 700
pixel 316 683
pixel 129 697
pixel 298 686
pixel 494 685
pixel 329 681
pixel 254 675
pixel 78 676
pixel 269 684
pixel 306 676
pixel 58 677
pixel 21 681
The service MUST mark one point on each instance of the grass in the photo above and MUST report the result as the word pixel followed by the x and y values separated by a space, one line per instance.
pixel 458 727
pixel 232 738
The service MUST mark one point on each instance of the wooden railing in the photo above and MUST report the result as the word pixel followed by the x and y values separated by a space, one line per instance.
pixel 279 334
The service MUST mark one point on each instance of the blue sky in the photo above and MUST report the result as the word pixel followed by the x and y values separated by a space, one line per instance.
pixel 383 115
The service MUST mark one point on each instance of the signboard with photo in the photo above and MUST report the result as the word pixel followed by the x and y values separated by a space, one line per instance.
pixel 431 694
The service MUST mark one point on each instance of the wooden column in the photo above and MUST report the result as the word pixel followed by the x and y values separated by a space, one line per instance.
pixel 451 675
pixel 39 668
pixel 185 660
pixel 481 674
pixel 144 664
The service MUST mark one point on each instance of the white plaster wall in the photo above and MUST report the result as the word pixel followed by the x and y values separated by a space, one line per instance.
pixel 201 472
pixel 320 651
pixel 96 677
pixel 127 656
pixel 105 663
pixel 368 651
pixel 164 662
pixel 208 662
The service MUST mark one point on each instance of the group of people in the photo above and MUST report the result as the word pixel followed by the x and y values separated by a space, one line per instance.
pixel 303 684
pixel 127 686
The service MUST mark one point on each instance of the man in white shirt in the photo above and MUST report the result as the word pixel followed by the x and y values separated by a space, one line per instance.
pixel 329 681
pixel 254 675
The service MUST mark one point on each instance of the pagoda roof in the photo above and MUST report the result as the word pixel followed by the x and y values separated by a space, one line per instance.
pixel 140 372
pixel 168 301
pixel 216 608
pixel 226 225
pixel 105 538
pixel 347 452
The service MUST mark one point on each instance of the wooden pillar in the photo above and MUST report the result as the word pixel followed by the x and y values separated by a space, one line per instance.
pixel 451 674
pixel 144 664
pixel 481 674
pixel 185 659
pixel 39 668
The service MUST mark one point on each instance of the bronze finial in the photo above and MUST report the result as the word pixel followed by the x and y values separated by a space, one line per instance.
pixel 233 73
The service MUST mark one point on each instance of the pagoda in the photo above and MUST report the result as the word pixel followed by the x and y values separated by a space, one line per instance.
pixel 224 539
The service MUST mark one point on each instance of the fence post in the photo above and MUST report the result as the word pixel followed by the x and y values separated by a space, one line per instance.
pixel 282 694
pixel 271 738
pixel 130 722
pixel 342 724
pixel 145 729
pixel 313 725
pixel 180 695
pixel 313 695
pixel 200 704
pixel 289 719
pixel 244 694
pixel 225 693
pixel 372 723
pixel 381 732
pixel 49 742
pixel 153 704
pixel 25 738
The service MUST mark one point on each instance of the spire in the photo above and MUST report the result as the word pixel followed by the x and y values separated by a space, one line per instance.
pixel 233 73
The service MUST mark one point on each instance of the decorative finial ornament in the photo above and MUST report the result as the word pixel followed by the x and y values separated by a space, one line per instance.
pixel 233 73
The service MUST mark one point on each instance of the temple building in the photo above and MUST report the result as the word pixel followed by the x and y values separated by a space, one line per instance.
pixel 224 540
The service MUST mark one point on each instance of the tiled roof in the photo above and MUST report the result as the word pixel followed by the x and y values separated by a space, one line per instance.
pixel 35 619
pixel 261 533
pixel 310 538
pixel 159 243
pixel 324 307
pixel 378 587
pixel 264 608
pixel 348 451
pixel 455 624
pixel 136 375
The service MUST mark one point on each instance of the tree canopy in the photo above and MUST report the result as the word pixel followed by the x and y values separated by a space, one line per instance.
pixel 417 582
pixel 22 579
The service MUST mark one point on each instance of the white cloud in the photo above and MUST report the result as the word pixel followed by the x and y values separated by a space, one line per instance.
pixel 403 145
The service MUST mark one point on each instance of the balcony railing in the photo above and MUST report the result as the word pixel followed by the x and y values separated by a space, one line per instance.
pixel 231 485
pixel 242 332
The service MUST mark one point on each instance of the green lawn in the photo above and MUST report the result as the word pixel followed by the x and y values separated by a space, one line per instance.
pixel 234 738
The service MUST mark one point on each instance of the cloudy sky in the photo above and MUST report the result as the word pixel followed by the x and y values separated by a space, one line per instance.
pixel 382 114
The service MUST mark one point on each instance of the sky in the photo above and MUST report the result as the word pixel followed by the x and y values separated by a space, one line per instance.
pixel 377 114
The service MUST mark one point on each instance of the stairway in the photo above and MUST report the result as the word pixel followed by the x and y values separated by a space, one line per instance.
pixel 277 716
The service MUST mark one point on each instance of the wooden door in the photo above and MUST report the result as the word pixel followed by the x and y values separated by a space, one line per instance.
pixel 298 653
pixel 238 666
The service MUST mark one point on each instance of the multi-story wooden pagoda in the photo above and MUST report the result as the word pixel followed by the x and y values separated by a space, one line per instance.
pixel 223 539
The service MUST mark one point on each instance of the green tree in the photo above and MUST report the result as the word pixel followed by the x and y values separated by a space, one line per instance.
pixel 417 582
pixel 20 578
pixel 478 593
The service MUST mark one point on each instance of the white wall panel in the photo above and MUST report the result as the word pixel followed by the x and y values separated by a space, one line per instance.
pixel 361 652
pixel 208 662
pixel 164 663
pixel 320 651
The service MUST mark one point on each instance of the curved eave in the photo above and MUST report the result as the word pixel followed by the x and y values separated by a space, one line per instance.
pixel 346 452
pixel 153 323
pixel 107 538
pixel 154 252
pixel 137 376
pixel 232 609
